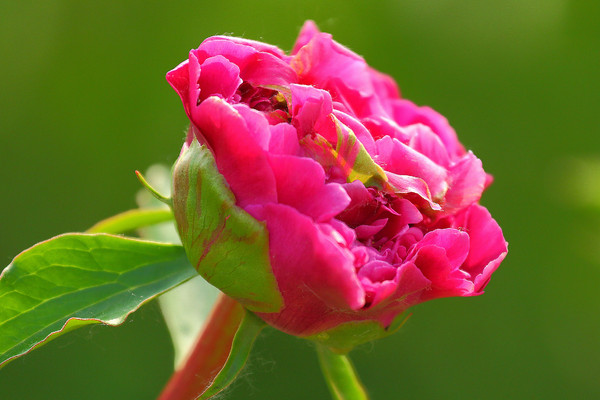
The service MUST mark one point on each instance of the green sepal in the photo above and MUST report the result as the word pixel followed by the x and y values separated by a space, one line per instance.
pixel 225 244
pixel 76 279
pixel 345 337
pixel 241 346
pixel 160 197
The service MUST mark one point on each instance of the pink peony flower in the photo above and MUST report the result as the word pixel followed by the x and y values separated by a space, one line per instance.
pixel 370 202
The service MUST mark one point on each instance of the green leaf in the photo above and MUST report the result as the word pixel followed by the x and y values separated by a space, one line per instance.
pixel 77 279
pixel 227 246
pixel 132 219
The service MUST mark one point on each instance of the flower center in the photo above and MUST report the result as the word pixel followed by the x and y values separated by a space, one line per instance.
pixel 388 226
pixel 266 100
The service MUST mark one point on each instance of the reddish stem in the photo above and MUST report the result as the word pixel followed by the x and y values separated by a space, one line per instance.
pixel 209 353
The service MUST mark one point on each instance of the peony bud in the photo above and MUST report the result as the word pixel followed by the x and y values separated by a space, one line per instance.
pixel 312 193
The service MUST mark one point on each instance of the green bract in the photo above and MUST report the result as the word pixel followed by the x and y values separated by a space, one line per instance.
pixel 225 244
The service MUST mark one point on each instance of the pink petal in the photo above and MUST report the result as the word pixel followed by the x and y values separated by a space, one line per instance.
pixel 407 113
pixel 487 244
pixel 379 280
pixel 360 206
pixel 467 182
pixel 439 255
pixel 178 78
pixel 410 285
pixel 445 280
pixel 385 86
pixel 406 213
pixel 284 140
pixel 396 157
pixel 301 184
pixel 259 64
pixel 239 158
pixel 308 31
pixel 359 130
pixel 310 111
pixel 415 189
pixel 423 140
pixel 454 242
pixel 314 273
pixel 256 45
pixel 381 126
pixel 266 69
pixel 328 65
pixel 258 127
pixel 367 231
pixel 218 77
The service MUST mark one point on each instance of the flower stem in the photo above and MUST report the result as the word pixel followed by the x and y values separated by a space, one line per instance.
pixel 210 353
pixel 340 375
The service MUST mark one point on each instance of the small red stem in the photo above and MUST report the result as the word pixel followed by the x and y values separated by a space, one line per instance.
pixel 209 354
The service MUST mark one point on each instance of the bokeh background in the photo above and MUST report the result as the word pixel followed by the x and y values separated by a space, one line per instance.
pixel 84 102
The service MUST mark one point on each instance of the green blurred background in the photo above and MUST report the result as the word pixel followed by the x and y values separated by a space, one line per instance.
pixel 84 102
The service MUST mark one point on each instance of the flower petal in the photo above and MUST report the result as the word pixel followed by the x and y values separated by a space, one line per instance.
pixel 178 78
pixel 410 285
pixel 423 140
pixel 225 44
pixel 239 158
pixel 362 134
pixel 415 189
pixel 259 64
pixel 314 271
pixel 310 111
pixel 258 126
pixel 308 31
pixel 328 65
pixel 407 113
pixel 218 77
pixel 379 280
pixel 398 158
pixel 454 242
pixel 487 245
pixel 467 182
pixel 301 184
pixel 445 280
pixel 439 255
pixel 284 140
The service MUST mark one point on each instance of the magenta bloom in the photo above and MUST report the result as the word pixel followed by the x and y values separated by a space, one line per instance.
pixel 370 202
